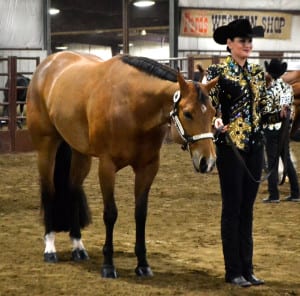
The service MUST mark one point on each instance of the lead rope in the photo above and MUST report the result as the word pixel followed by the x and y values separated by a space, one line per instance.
pixel 268 171
pixel 238 155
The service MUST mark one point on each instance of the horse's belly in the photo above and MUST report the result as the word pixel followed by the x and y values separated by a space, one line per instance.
pixel 126 147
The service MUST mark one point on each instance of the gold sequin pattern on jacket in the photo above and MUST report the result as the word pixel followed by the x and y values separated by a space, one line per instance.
pixel 241 98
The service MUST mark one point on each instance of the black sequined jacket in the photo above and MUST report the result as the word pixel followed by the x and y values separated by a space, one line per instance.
pixel 240 97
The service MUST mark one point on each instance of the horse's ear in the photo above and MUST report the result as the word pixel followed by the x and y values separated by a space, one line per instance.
pixel 210 84
pixel 182 83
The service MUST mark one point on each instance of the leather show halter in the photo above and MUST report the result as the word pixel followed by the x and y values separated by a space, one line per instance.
pixel 184 136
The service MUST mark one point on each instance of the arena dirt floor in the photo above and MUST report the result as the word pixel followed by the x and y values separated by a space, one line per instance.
pixel 183 236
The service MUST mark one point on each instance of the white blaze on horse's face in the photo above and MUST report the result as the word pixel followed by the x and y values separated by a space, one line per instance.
pixel 192 123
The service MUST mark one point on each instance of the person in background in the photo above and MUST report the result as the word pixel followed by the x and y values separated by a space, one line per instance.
pixel 282 97
pixel 240 98
pixel 199 74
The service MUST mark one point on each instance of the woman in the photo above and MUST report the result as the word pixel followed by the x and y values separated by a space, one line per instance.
pixel 240 98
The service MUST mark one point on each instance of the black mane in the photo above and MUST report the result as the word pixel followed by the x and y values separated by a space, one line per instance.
pixel 151 67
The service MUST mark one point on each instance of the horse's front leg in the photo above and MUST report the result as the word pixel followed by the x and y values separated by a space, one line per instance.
pixel 107 172
pixel 144 177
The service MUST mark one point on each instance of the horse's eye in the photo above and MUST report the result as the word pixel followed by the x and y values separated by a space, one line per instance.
pixel 187 115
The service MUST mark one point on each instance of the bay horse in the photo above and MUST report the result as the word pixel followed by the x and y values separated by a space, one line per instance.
pixel 78 108
pixel 293 78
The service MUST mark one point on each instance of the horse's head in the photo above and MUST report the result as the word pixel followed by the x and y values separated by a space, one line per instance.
pixel 192 122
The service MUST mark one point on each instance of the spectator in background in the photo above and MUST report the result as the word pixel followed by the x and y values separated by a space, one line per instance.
pixel 282 100
pixel 199 74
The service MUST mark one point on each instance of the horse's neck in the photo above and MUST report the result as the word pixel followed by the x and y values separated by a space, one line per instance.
pixel 161 98
pixel 168 103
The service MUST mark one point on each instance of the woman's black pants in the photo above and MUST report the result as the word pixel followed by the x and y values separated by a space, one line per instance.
pixel 238 190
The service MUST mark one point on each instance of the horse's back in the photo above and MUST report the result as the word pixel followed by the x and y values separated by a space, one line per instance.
pixel 43 91
pixel 95 105
pixel 65 90
pixel 53 66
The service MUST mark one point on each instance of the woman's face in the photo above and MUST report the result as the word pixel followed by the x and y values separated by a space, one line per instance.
pixel 240 47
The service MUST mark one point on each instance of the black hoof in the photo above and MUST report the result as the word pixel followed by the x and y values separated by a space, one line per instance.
pixel 109 271
pixel 80 255
pixel 50 257
pixel 144 271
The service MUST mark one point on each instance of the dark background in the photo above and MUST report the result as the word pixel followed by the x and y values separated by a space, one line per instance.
pixel 100 22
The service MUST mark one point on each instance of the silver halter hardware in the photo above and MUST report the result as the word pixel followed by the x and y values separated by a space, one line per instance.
pixel 184 136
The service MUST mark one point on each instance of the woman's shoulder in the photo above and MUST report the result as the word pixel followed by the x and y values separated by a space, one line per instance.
pixel 215 70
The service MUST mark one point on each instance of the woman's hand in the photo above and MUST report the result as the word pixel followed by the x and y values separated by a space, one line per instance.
pixel 219 125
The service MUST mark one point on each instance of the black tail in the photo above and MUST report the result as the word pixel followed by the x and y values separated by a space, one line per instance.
pixel 69 209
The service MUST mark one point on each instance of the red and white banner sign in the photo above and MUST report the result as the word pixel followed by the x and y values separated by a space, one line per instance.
pixel 202 23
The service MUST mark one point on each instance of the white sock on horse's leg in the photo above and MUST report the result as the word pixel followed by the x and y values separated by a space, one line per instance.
pixel 77 243
pixel 50 243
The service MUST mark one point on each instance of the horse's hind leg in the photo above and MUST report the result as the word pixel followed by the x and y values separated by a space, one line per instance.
pixel 107 171
pixel 63 200
pixel 46 161
pixel 80 214
pixel 144 177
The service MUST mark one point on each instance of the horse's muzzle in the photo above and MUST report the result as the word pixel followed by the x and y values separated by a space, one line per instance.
pixel 205 165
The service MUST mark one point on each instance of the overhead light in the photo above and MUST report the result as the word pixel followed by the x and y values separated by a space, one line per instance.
pixel 143 32
pixel 54 11
pixel 143 3
pixel 121 44
pixel 61 47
